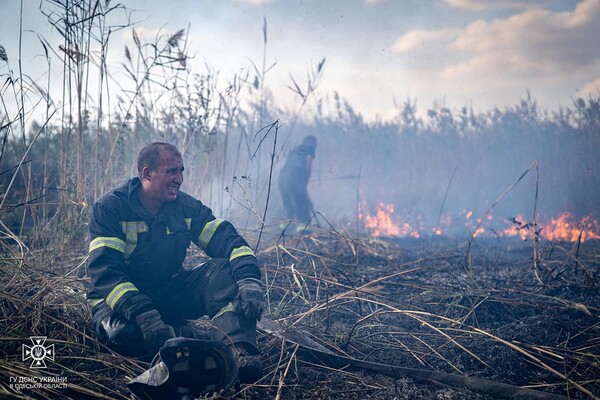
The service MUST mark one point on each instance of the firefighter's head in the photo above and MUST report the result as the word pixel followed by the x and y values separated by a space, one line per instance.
pixel 310 140
pixel 160 168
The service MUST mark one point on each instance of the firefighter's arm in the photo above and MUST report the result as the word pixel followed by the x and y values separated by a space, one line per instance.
pixel 218 238
pixel 106 263
pixel 309 159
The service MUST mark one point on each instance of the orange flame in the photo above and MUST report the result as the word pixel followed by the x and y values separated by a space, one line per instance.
pixel 474 224
pixel 565 228
pixel 516 229
pixel 479 231
pixel 382 224
pixel 445 221
pixel 562 228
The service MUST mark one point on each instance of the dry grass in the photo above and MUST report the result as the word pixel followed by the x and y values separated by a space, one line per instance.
pixel 404 304
pixel 39 300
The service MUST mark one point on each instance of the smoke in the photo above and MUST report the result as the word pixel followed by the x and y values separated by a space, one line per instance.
pixel 453 168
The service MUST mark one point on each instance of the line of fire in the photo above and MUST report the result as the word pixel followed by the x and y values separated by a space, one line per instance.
pixel 385 221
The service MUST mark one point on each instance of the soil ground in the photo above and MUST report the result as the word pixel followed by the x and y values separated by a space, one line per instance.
pixel 485 308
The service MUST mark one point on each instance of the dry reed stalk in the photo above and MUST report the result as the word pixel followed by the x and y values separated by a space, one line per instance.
pixel 283 375
pixel 482 219
pixel 346 295
pixel 35 301
pixel 371 328
pixel 274 125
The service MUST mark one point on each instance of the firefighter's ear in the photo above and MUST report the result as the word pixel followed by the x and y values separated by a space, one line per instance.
pixel 146 174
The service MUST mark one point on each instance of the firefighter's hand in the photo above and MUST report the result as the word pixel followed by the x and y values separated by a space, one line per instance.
pixel 250 298
pixel 154 330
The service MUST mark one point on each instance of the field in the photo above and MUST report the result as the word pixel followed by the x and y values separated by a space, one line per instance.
pixel 477 313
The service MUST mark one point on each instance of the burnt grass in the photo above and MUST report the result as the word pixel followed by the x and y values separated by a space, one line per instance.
pixel 481 309
pixel 427 304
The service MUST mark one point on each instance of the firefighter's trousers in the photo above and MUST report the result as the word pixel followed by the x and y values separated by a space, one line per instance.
pixel 294 195
pixel 207 290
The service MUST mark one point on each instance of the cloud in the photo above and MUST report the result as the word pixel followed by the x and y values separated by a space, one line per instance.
pixel 480 5
pixel 590 89
pixel 531 45
pixel 414 40
pixel 256 1
pixel 532 42
pixel 374 1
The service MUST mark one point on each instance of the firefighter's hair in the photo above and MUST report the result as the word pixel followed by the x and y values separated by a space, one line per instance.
pixel 310 140
pixel 150 155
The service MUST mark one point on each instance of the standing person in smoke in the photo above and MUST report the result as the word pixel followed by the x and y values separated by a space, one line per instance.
pixel 293 182
pixel 139 236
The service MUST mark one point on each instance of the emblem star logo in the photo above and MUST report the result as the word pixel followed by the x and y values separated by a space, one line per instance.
pixel 38 353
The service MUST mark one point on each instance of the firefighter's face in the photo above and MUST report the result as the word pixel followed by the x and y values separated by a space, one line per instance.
pixel 164 183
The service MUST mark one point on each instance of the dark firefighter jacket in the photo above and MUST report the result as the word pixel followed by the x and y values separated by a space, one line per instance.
pixel 132 252
pixel 295 164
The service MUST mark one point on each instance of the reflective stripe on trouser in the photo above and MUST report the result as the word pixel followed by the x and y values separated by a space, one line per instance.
pixel 205 290
pixel 211 290
pixel 124 336
pixel 239 329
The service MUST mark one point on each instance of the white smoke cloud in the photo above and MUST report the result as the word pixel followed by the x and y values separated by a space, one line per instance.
pixel 480 5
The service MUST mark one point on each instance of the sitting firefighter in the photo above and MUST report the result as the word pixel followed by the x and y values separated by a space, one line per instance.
pixel 139 236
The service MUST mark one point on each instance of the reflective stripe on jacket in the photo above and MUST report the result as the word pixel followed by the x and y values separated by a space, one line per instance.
pixel 132 252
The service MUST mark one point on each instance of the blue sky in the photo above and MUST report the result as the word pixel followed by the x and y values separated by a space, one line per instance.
pixel 480 53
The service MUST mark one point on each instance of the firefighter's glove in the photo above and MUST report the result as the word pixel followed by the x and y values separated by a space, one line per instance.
pixel 250 299
pixel 154 330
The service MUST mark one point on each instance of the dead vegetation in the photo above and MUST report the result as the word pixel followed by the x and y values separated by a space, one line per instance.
pixel 401 303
